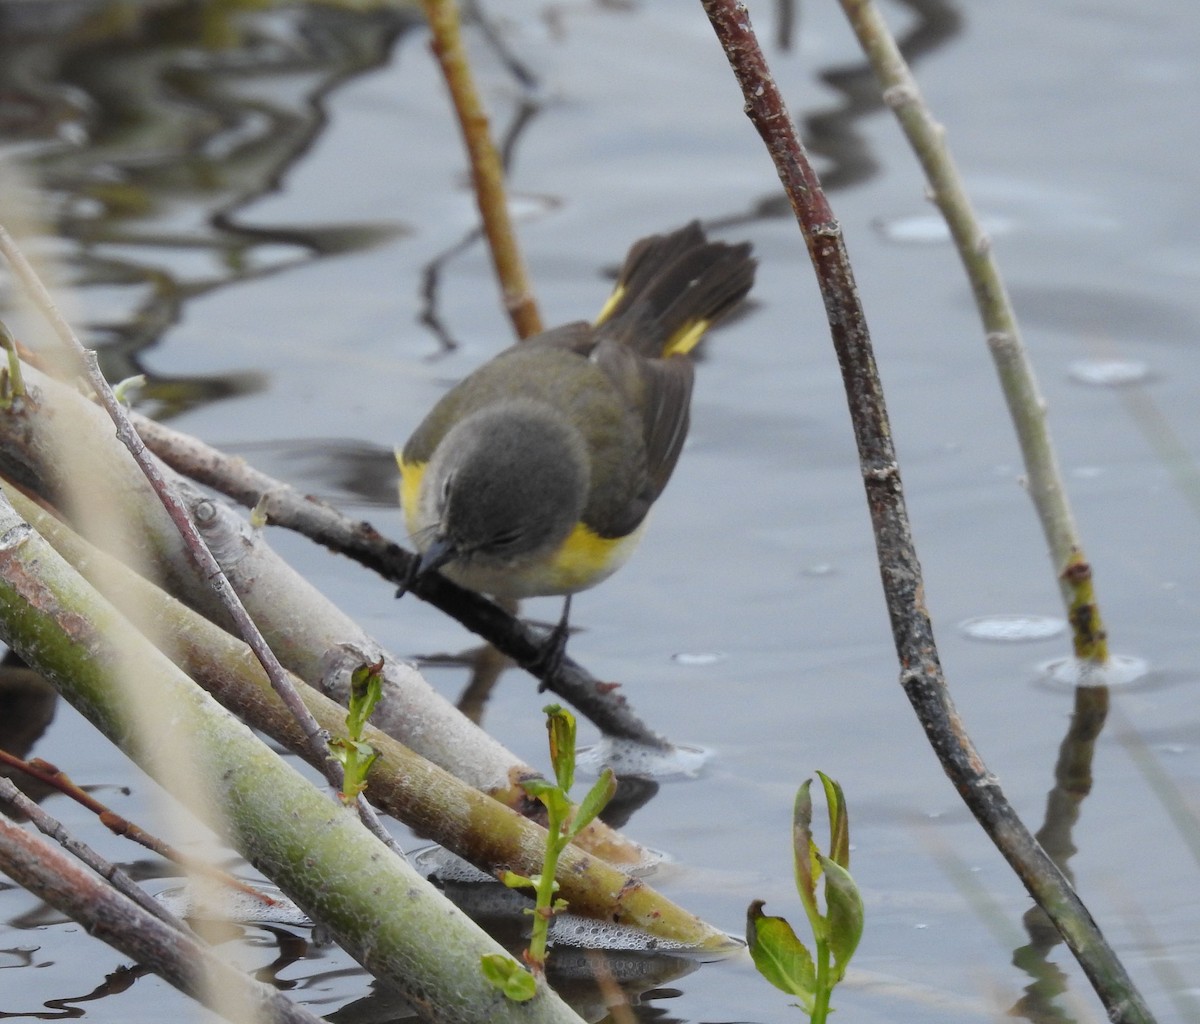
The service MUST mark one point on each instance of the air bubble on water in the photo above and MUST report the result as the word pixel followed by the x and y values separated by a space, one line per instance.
pixel 440 863
pixel 625 757
pixel 1012 628
pixel 698 659
pixel 1108 373
pixel 1120 670
pixel 931 229
pixel 818 569
pixel 214 903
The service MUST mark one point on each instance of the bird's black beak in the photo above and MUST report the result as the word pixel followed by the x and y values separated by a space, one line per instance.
pixel 441 551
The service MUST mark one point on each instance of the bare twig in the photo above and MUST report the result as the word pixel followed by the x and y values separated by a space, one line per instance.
pixel 55 778
pixel 205 563
pixel 175 954
pixel 1017 378
pixel 19 805
pixel 921 672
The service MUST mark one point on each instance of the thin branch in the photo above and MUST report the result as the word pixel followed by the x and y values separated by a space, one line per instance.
pixel 174 954
pixel 487 174
pixel 921 672
pixel 1017 378
pixel 19 806
pixel 203 558
pixel 55 778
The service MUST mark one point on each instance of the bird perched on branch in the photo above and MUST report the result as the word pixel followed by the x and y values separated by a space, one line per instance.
pixel 533 476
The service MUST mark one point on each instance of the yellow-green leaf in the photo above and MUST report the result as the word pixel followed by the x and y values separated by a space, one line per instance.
pixel 845 916
pixel 509 977
pixel 779 955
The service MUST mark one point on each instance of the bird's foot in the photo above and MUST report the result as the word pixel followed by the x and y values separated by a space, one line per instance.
pixel 547 662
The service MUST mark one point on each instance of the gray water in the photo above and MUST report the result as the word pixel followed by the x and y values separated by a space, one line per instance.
pixel 252 229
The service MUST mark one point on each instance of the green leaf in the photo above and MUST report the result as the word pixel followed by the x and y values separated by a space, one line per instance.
pixel 845 917
pixel 122 389
pixel 560 724
pixel 596 800
pixel 780 956
pixel 839 822
pixel 536 787
pixel 366 689
pixel 804 854
pixel 509 977
pixel 515 881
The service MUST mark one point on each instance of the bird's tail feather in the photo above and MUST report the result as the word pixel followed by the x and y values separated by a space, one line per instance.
pixel 672 288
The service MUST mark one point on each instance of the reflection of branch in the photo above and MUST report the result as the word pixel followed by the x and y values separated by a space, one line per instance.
pixel 837 133
pixel 1072 783
pixel 921 672
pixel 1026 406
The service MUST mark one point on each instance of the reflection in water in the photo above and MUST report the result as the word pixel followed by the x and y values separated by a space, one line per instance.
pixel 27 705
pixel 834 134
pixel 150 134
pixel 1072 782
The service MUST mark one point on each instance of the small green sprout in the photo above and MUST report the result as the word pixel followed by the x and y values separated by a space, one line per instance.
pixel 562 826
pixel 123 389
pixel 354 753
pixel 777 952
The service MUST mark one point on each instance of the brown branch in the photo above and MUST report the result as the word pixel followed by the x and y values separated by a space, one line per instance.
pixel 55 778
pixel 487 173
pixel 175 955
pixel 921 672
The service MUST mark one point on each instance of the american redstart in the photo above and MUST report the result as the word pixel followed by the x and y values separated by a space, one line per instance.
pixel 534 474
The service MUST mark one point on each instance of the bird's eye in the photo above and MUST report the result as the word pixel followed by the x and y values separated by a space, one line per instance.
pixel 507 538
pixel 447 485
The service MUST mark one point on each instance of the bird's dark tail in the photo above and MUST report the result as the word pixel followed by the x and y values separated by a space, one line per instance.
pixel 672 288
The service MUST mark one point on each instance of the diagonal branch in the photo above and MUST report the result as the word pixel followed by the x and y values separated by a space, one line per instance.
pixel 921 672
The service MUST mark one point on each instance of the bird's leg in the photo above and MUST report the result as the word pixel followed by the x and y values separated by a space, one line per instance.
pixel 549 659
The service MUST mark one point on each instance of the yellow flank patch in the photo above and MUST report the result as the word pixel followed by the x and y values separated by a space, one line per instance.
pixel 686 338
pixel 410 489
pixel 585 558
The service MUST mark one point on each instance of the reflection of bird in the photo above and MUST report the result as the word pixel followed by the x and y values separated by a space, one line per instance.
pixel 534 474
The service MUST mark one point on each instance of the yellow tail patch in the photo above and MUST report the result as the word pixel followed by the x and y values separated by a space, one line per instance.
pixel 686 338
pixel 610 303
pixel 678 344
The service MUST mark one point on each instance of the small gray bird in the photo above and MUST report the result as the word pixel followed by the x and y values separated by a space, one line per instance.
pixel 534 474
